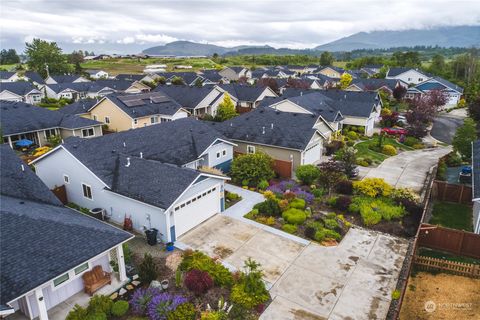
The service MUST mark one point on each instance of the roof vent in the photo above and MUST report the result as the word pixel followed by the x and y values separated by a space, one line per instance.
pixel 141 155
pixel 23 168
pixel 128 163
pixel 231 124
pixel 301 93
pixel 263 130
pixel 271 127
pixel 345 96
pixel 113 151
pixel 124 144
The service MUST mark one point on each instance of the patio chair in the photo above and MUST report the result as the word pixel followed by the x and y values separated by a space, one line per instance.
pixel 95 279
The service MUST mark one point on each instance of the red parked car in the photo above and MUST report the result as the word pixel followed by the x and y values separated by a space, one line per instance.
pixel 395 131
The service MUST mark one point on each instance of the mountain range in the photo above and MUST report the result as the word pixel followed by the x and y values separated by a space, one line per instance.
pixel 463 36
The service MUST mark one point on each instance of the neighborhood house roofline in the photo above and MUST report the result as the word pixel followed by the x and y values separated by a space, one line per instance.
pixel 271 145
pixel 218 139
pixel 65 128
pixel 19 95
pixel 89 260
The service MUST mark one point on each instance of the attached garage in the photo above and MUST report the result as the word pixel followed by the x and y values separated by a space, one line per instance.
pixel 193 211
pixel 370 124
pixel 312 153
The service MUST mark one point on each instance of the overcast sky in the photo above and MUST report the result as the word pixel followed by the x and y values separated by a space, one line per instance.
pixel 130 26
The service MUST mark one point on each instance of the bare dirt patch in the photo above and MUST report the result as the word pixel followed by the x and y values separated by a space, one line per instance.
pixel 454 297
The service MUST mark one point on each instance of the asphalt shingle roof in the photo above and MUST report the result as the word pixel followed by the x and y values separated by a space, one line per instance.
pixel 243 92
pixel 34 76
pixel 145 104
pixel 78 107
pixel 93 86
pixel 4 75
pixel 476 169
pixel 211 75
pixel 372 84
pixel 19 117
pixel 393 72
pixel 40 238
pixel 187 97
pixel 290 130
pixel 20 88
pixel 65 78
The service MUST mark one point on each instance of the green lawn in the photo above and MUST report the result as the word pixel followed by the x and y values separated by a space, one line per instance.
pixel 363 151
pixel 447 256
pixel 452 215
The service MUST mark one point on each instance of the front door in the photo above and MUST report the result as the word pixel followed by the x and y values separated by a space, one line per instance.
pixel 172 234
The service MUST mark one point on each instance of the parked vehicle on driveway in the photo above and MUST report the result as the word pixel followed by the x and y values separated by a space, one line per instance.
pixel 394 131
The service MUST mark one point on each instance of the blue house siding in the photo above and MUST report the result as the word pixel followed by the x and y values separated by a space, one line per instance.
pixel 224 166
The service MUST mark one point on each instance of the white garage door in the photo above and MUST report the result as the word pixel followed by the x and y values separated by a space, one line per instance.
pixel 369 127
pixel 196 210
pixel 312 154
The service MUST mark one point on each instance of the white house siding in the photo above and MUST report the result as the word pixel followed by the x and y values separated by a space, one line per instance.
pixel 179 115
pixel 287 106
pixel 33 98
pixel 9 96
pixel 51 170
pixel 313 152
pixel 410 76
pixel 368 123
pixel 211 160
pixel 65 133
pixel 53 296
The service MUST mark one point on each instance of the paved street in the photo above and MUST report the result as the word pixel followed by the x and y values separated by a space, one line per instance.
pixel 444 126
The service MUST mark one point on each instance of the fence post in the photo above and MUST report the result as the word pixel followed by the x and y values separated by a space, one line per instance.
pixel 444 190
pixel 460 243
pixel 461 194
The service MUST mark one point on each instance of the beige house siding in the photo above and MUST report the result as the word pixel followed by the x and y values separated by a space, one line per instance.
pixel 119 120
pixel 275 153
pixel 287 106
pixel 65 133
pixel 330 73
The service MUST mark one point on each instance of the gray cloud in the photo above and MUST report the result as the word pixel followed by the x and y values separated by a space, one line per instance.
pixel 129 26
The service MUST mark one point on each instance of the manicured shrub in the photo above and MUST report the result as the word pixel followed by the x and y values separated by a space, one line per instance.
pixel 418 146
pixel 368 160
pixel 119 308
pixel 372 210
pixel 162 304
pixel 77 313
pixel 232 196
pixel 343 202
pixel 399 194
pixel 389 150
pixel 317 193
pixel 345 187
pixel 198 281
pixel 320 235
pixel 100 304
pixel 352 135
pixel 297 203
pixel 411 141
pixel 250 291
pixel 148 270
pixel 453 159
pixel 268 207
pixel 198 260
pixel 97 316
pixel 290 228
pixel 331 224
pixel 294 216
pixel 141 298
pixel 185 311
pixel 332 201
pixel 362 163
pixel 372 187
pixel 262 185
pixel 307 174
pixel 310 232
pixel 252 214
pixel 269 221
pixel 331 234
pixel 253 168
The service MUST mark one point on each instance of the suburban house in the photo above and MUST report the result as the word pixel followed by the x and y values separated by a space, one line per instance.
pixel 212 77
pixel 97 74
pixel 47 248
pixel 189 78
pixel 291 139
pixel 6 76
pixel 20 91
pixel 24 121
pixel 248 97
pixel 79 107
pixel 407 75
pixel 65 78
pixel 81 90
pixel 372 84
pixel 452 91
pixel 330 71
pixel 197 100
pixel 120 111
pixel 235 73
pixel 323 82
pixel 149 175
pixel 34 77
pixel 149 77
pixel 476 185
pixel 371 69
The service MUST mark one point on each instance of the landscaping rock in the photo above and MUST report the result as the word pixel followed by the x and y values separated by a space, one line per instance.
pixel 122 291
pixel 173 260
pixel 135 277
pixel 135 283
pixel 155 284
pixel 130 287
pixel 114 296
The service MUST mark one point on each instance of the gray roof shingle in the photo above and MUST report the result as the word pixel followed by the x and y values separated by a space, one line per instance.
pixel 78 107
pixel 19 117
pixel 4 75
pixel 145 104
pixel 34 77
pixel 187 97
pixel 20 88
pixel 243 92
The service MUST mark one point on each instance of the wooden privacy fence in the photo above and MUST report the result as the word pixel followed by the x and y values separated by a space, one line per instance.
pixel 458 242
pixel 462 269
pixel 444 191
pixel 61 193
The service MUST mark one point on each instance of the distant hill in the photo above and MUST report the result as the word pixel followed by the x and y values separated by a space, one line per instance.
pixel 186 48
pixel 464 36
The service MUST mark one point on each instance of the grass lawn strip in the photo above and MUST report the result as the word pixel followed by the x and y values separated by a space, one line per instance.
pixel 452 215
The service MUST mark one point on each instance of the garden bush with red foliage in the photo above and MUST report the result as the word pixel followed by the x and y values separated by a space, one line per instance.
pixel 345 187
pixel 343 202
pixel 198 281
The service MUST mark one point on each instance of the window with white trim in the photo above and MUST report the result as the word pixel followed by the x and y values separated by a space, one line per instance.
pixel 87 191
pixel 224 152
pixel 66 179
pixel 135 121
pixel 250 149
pixel 88 132
pixel 81 268
pixel 107 120
pixel 218 154
pixel 154 119
pixel 95 117
pixel 58 281
pixel 50 132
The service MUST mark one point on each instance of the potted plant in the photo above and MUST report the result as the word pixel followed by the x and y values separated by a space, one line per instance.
pixel 164 284
pixel 170 246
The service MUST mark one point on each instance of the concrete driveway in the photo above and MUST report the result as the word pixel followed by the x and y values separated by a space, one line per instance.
pixel 408 169
pixel 308 281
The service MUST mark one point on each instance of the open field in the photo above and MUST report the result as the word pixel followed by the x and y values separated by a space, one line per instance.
pixel 453 297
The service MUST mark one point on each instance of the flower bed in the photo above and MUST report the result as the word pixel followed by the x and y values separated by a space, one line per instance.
pixel 231 199
pixel 201 288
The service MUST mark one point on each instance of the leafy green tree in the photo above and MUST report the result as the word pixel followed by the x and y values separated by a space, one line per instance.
pixel 9 56
pixel 42 53
pixel 75 57
pixel 438 64
pixel 226 109
pixel 345 80
pixel 252 168
pixel 348 158
pixel 147 270
pixel 474 109
pixel 331 173
pixel 464 136
pixel 307 173
pixel 326 58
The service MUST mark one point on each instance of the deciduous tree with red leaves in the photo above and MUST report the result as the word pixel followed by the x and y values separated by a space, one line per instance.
pixel 269 82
